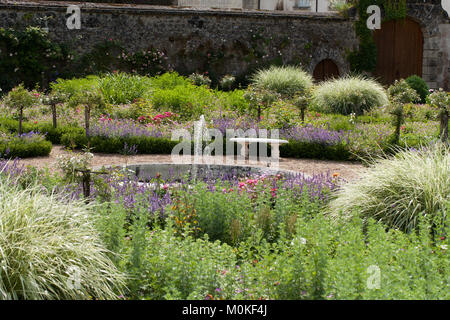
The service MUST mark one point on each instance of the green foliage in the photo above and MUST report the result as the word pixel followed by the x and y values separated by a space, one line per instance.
pixel 71 87
pixel 219 215
pixel 232 100
pixel 19 98
pixel 187 101
pixel 401 92
pixel 394 9
pixel 348 95
pixel 180 268
pixel 121 88
pixel 28 56
pixel 286 80
pixel 365 58
pixel 398 190
pixel 421 87
pixel 169 80
pixel 57 254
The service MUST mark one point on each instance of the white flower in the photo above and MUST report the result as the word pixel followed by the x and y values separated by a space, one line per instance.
pixel 444 247
pixel 302 240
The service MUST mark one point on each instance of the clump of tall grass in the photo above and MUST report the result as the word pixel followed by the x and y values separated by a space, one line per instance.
pixel 50 249
pixel 348 95
pixel 398 190
pixel 286 80
pixel 121 88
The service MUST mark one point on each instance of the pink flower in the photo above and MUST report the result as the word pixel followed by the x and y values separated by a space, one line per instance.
pixel 165 187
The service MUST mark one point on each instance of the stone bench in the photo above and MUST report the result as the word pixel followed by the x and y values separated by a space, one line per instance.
pixel 274 145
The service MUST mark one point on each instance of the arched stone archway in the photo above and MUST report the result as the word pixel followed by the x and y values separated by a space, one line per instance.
pixel 325 69
pixel 399 50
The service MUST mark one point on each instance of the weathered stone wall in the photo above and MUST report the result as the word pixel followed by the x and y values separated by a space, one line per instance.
pixel 435 25
pixel 199 40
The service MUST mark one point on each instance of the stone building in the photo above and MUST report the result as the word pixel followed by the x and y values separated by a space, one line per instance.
pixel 240 41
pixel 420 44
pixel 285 5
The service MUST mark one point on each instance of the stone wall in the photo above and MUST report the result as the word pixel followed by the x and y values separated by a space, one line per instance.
pixel 435 25
pixel 220 42
pixel 230 41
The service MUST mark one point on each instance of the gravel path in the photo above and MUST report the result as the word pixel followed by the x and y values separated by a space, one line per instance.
pixel 345 169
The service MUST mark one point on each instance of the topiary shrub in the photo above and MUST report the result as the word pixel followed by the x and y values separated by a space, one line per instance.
pixel 421 87
pixel 398 190
pixel 348 95
pixel 51 249
pixel 286 80
pixel 401 92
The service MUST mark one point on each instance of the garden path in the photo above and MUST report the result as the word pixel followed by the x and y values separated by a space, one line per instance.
pixel 344 169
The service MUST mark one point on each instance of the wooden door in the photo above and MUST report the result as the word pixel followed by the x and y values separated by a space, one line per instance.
pixel 325 69
pixel 399 50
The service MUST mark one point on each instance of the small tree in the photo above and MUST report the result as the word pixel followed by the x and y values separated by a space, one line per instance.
pixel 397 112
pixel 260 99
pixel 301 102
pixel 441 100
pixel 401 92
pixel 53 100
pixel 90 100
pixel 20 98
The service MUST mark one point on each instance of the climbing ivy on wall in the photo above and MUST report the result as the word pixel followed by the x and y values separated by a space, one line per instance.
pixel 394 9
pixel 365 59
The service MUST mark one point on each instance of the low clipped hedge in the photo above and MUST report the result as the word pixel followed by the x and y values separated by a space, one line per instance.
pixel 144 145
pixel 23 149
pixel 51 134
pixel 310 150
pixel 152 145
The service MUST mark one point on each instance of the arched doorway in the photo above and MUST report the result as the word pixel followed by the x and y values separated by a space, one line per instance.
pixel 325 69
pixel 399 50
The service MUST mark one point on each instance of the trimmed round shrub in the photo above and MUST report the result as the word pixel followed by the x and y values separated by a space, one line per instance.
pixel 348 95
pixel 401 92
pixel 421 87
pixel 51 250
pixel 287 80
pixel 397 191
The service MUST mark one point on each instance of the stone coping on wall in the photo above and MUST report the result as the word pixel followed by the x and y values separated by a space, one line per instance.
pixel 154 9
